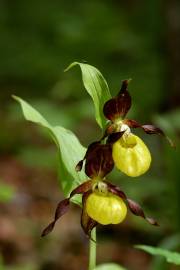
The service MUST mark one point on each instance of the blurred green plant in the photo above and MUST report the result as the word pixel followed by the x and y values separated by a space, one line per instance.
pixel 17 267
pixel 109 266
pixel 171 257
pixel 38 157
pixel 170 243
pixel 7 192
pixel 171 124
pixel 22 267
pixel 1 263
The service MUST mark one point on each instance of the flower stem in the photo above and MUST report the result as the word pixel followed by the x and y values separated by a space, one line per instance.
pixel 92 250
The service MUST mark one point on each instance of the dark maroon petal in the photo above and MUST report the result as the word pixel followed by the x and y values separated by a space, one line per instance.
pixel 87 223
pixel 48 229
pixel 61 209
pixel 135 208
pixel 84 187
pixel 124 87
pixel 138 211
pixel 99 161
pixel 120 105
pixel 112 138
pixel 131 123
pixel 111 108
pixel 63 206
pixel 149 129
pixel 90 150
pixel 116 190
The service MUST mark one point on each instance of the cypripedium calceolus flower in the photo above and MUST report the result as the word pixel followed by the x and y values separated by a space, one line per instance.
pixel 102 202
pixel 130 154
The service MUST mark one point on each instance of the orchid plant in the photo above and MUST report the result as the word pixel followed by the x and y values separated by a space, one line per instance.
pixel 84 171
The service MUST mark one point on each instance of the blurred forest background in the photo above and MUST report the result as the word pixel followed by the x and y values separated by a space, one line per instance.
pixel 123 39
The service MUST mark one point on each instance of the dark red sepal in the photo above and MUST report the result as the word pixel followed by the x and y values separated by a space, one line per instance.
pixel 99 161
pixel 48 229
pixel 63 206
pixel 119 105
pixel 114 137
pixel 90 150
pixel 136 209
pixel 84 187
pixel 131 123
pixel 116 190
pixel 61 209
pixel 151 129
pixel 87 223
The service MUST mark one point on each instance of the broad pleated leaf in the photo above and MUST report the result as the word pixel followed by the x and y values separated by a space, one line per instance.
pixel 171 257
pixel 97 87
pixel 69 148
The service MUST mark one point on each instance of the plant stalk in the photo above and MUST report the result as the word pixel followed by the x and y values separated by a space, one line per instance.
pixel 92 250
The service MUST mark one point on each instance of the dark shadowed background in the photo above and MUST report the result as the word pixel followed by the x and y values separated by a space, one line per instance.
pixel 123 39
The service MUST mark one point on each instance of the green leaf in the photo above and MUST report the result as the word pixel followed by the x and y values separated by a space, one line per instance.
pixel 97 87
pixel 69 148
pixel 109 266
pixel 1 263
pixel 171 257
pixel 7 192
pixel 171 242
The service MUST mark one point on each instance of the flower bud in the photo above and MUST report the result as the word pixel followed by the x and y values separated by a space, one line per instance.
pixel 131 155
pixel 106 208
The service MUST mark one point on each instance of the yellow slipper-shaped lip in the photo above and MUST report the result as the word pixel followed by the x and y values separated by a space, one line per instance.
pixel 131 155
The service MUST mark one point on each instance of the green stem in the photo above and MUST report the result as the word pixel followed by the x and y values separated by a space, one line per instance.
pixel 92 250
